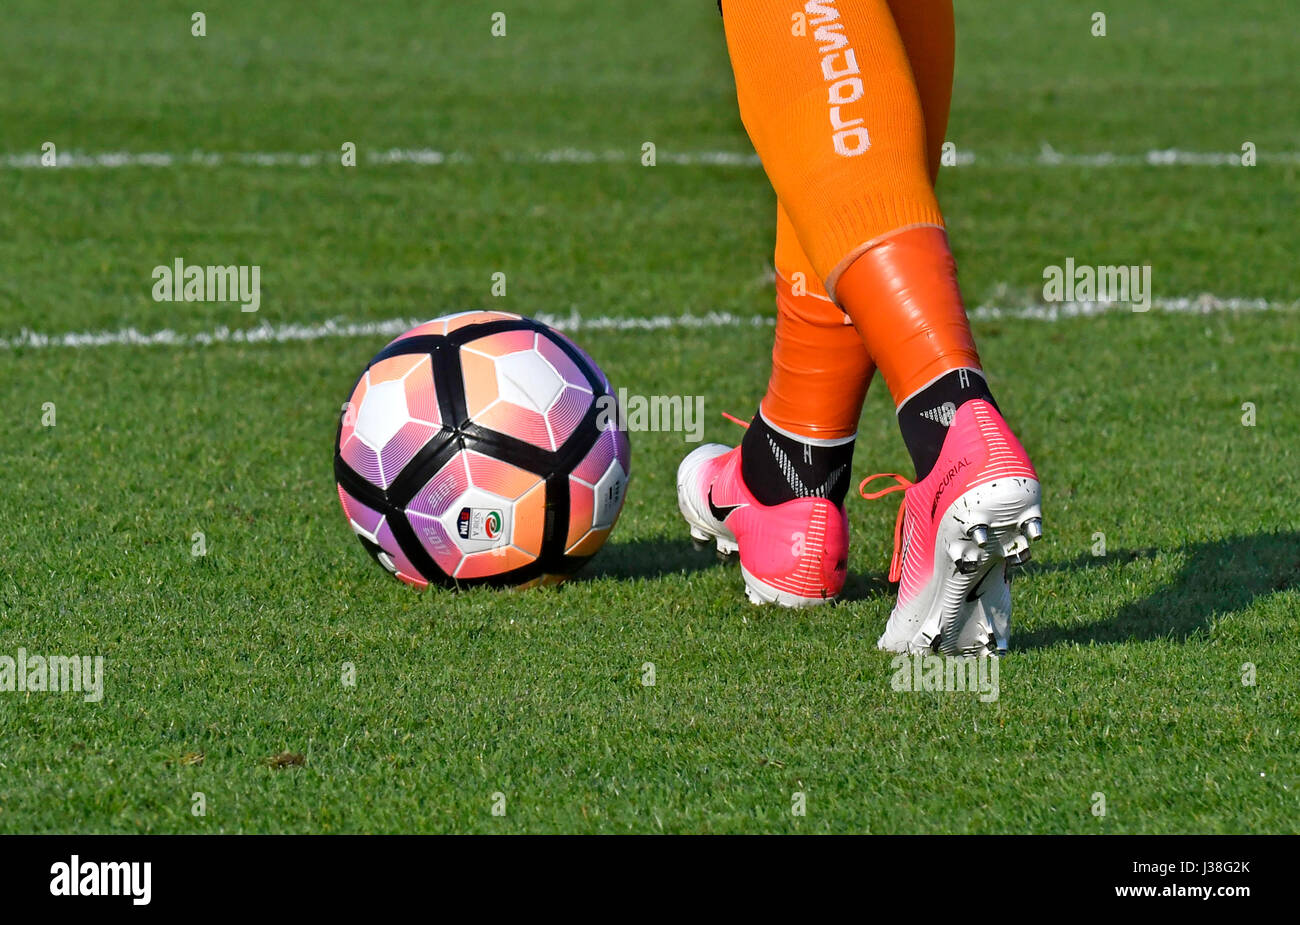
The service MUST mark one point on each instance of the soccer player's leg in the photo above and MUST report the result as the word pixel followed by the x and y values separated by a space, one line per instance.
pixel 926 30
pixel 778 498
pixel 843 137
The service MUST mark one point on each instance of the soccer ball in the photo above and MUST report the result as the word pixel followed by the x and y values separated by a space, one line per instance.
pixel 481 448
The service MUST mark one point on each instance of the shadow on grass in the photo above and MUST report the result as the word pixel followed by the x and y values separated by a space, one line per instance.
pixel 1219 577
pixel 650 558
pixel 663 555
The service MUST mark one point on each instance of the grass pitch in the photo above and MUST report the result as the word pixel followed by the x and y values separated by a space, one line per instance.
pixel 1126 677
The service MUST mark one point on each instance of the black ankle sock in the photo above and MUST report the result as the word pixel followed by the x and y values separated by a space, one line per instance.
pixel 777 468
pixel 924 417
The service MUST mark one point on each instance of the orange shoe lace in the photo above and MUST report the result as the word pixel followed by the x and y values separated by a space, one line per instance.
pixel 896 563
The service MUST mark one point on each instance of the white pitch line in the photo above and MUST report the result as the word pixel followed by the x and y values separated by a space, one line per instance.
pixel 1185 305
pixel 428 157
pixel 266 333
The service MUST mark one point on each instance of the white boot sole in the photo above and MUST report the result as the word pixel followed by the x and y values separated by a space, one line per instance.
pixel 985 532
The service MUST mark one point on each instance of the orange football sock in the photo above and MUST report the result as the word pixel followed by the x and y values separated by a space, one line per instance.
pixel 820 366
pixel 849 127
pixel 907 289
pixel 827 96
pixel 903 298
pixel 926 29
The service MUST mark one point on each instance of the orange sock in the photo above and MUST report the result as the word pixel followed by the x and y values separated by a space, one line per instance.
pixel 926 29
pixel 820 366
pixel 911 307
pixel 903 298
pixel 827 96
pixel 847 106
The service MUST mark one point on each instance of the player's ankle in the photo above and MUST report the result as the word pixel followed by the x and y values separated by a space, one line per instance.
pixel 778 465
pixel 925 415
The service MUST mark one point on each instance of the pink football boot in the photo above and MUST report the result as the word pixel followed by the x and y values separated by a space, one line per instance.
pixel 961 531
pixel 793 554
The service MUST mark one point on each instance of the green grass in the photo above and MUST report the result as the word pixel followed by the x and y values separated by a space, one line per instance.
pixel 1126 674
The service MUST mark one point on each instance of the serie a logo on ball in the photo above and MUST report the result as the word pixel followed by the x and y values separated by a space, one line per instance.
pixel 473 451
pixel 478 524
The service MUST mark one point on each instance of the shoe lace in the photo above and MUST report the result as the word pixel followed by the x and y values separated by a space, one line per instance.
pixel 902 484
pixel 736 420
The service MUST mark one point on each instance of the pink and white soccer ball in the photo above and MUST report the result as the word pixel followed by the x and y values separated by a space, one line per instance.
pixel 482 448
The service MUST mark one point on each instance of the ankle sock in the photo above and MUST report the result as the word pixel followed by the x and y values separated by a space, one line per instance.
pixel 778 466
pixel 924 416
